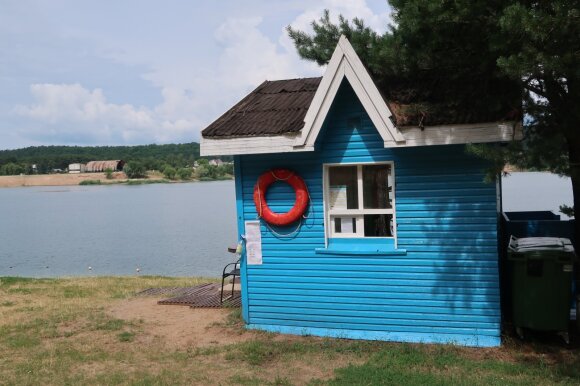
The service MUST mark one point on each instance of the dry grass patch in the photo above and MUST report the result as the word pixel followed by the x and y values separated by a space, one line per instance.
pixel 180 327
pixel 94 331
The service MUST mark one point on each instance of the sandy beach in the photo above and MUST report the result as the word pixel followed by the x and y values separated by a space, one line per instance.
pixel 59 179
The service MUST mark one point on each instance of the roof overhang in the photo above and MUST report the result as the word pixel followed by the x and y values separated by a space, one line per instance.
pixel 345 64
pixel 414 136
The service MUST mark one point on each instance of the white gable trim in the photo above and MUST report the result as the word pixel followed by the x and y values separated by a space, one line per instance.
pixel 345 63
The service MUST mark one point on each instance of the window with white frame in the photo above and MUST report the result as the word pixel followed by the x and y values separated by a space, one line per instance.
pixel 360 200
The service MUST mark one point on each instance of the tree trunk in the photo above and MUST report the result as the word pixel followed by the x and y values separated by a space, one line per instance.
pixel 574 156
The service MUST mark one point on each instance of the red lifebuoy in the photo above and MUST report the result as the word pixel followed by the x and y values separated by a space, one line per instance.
pixel 267 179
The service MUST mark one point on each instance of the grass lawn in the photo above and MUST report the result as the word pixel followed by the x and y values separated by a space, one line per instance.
pixel 63 331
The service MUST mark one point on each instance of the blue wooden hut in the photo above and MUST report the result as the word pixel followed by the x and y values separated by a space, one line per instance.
pixel 400 239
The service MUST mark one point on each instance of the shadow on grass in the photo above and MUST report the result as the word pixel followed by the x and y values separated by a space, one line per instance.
pixel 444 365
pixel 543 358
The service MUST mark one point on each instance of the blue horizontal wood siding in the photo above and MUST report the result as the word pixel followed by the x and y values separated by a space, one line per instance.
pixel 445 289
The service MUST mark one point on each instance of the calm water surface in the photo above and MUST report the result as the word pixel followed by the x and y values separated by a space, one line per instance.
pixel 166 229
pixel 536 191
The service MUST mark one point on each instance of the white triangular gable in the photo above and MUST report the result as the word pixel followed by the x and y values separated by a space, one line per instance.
pixel 345 63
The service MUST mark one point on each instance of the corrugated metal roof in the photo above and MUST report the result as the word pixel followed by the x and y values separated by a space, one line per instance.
pixel 100 166
pixel 274 107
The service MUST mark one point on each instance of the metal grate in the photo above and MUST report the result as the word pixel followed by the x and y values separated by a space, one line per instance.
pixel 170 291
pixel 201 296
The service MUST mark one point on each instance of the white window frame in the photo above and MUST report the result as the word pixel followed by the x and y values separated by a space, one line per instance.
pixel 357 213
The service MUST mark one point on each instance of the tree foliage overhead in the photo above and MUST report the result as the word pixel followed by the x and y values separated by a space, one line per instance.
pixel 320 46
pixel 545 57
pixel 448 58
pixel 437 63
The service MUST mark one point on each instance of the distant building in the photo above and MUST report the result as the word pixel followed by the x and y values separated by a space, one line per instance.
pixel 101 166
pixel 77 168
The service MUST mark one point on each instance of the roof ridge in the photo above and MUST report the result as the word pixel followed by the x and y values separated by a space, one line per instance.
pixel 288 79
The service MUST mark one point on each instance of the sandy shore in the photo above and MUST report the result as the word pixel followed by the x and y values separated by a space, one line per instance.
pixel 58 179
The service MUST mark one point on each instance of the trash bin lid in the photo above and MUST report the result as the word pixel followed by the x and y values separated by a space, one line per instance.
pixel 528 244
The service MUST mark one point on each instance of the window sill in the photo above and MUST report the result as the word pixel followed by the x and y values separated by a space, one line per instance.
pixel 370 246
pixel 360 252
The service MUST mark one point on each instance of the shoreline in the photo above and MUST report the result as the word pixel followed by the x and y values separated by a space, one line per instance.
pixel 69 179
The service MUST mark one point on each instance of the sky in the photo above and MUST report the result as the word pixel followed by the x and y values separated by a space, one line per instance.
pixel 142 71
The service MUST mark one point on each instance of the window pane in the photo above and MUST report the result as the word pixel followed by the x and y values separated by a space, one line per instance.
pixel 343 190
pixel 345 225
pixel 378 225
pixel 377 186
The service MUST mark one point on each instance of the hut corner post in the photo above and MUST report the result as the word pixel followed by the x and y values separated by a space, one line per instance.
pixel 241 230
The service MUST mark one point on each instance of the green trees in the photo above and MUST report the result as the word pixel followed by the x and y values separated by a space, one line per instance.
pixel 205 171
pixel 169 172
pixel 11 169
pixel 153 157
pixel 109 173
pixel 475 57
pixel 184 173
pixel 134 169
pixel 440 60
pixel 545 57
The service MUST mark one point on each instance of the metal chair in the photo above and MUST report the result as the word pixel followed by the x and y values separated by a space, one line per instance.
pixel 231 269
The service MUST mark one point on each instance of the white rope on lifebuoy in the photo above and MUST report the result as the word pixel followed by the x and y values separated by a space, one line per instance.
pixel 284 235
pixel 281 179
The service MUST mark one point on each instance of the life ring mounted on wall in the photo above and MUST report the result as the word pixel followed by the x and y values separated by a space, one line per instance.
pixel 300 204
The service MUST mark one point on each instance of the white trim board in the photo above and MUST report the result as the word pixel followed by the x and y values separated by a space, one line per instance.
pixel 249 145
pixel 461 134
pixel 414 136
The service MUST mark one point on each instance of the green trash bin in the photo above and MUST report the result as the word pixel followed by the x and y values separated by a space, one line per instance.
pixel 541 283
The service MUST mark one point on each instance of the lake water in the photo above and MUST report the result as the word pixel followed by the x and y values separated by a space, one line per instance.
pixel 536 191
pixel 164 229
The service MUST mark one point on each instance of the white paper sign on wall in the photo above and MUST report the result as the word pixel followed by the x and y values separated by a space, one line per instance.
pixel 253 243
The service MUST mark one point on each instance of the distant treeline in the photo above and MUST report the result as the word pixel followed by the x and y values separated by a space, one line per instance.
pixel 49 158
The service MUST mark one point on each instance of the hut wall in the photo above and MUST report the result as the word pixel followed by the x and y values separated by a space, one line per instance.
pixel 445 288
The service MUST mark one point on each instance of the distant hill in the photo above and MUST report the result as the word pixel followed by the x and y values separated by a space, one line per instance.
pixel 154 157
